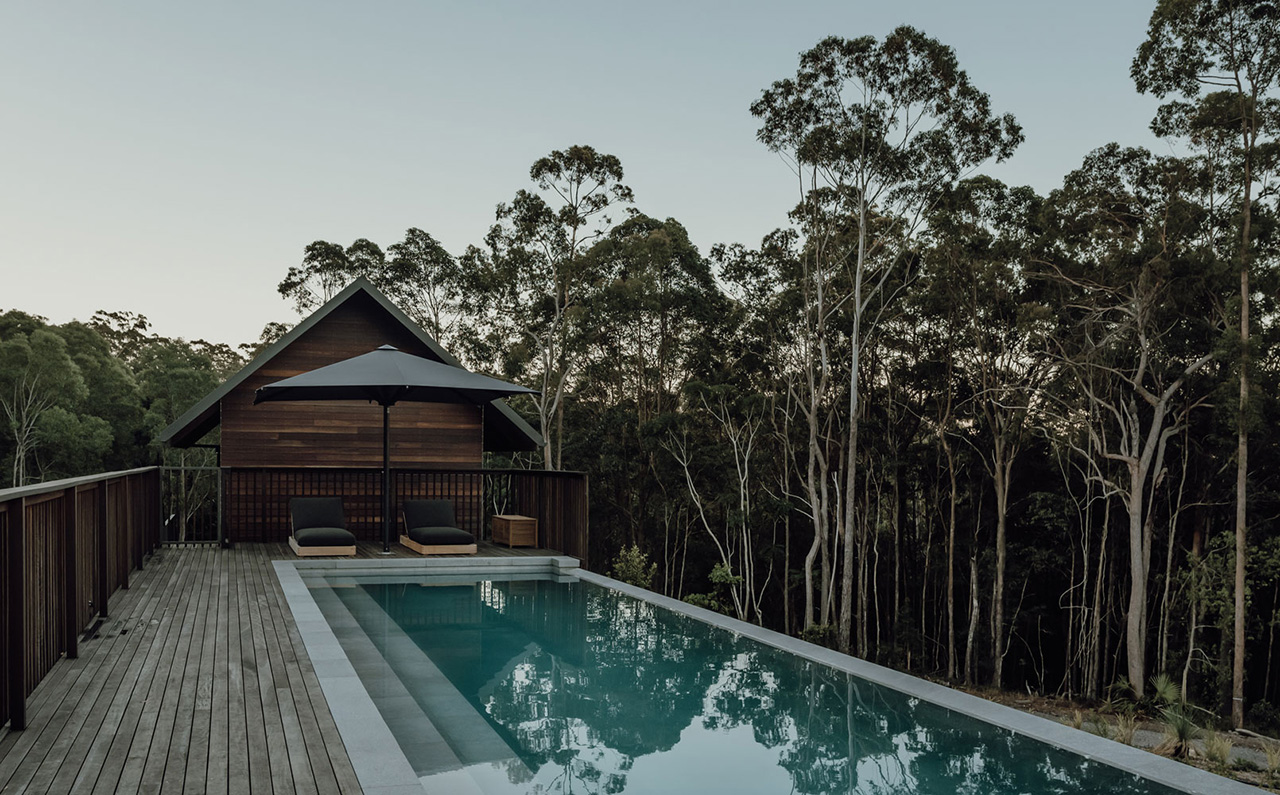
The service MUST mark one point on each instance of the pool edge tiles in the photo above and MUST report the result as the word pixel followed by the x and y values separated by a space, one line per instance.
pixel 380 765
pixel 1158 769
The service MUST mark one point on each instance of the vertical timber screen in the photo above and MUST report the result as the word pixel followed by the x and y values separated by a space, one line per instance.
pixel 65 546
pixel 256 500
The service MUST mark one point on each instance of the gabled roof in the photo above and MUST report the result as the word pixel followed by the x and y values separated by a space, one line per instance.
pixel 505 430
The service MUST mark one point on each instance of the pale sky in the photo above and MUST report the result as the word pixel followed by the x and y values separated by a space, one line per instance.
pixel 174 159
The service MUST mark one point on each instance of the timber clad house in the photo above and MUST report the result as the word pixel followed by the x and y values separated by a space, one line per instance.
pixel 272 452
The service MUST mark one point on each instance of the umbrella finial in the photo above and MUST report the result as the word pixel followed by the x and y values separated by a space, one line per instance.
pixel 388 348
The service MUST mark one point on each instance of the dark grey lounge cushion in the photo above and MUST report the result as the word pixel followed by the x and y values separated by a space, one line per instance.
pixel 319 522
pixel 316 512
pixel 431 523
pixel 428 513
pixel 323 537
pixel 440 536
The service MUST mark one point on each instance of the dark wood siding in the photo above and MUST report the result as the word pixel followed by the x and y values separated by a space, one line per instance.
pixel 344 434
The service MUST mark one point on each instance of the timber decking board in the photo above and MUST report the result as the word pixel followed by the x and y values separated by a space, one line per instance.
pixel 198 682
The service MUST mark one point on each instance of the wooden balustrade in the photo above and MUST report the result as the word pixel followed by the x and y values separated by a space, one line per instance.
pixel 256 500
pixel 65 547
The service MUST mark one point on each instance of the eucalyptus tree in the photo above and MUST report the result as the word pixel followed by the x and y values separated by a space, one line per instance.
pixel 654 314
pixel 981 236
pixel 723 487
pixel 112 396
pixel 873 130
pixel 769 285
pixel 125 333
pixel 327 268
pixel 525 291
pixel 172 376
pixel 1223 58
pixel 1139 306
pixel 423 279
pixel 417 273
pixel 941 320
pixel 37 376
pixel 792 300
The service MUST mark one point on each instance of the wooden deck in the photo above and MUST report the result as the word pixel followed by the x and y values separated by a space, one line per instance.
pixel 198 682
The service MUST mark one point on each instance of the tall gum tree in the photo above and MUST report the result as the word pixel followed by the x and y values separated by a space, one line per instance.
pixel 981 236
pixel 36 376
pixel 417 273
pixel 1196 49
pixel 875 130
pixel 1139 312
pixel 528 283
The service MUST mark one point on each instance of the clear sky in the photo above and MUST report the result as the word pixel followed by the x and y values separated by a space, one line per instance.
pixel 174 158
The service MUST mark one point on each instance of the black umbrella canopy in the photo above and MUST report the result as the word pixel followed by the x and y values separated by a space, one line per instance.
pixel 387 376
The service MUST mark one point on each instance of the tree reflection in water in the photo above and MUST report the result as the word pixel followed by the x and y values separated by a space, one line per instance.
pixel 583 682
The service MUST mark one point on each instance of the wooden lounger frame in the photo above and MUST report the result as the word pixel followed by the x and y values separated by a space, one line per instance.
pixel 438 549
pixel 307 552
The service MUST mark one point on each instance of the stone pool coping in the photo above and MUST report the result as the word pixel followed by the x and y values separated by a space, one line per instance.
pixel 383 770
pixel 380 765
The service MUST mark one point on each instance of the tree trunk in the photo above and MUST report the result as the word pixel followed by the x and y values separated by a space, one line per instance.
pixel 1191 624
pixel 1136 623
pixel 1242 473
pixel 1001 472
pixel 973 622
pixel 951 562
pixel 1249 136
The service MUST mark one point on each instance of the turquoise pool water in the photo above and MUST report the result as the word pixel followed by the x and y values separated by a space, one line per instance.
pixel 538 685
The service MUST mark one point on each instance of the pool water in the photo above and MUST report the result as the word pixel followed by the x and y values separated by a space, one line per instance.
pixel 539 685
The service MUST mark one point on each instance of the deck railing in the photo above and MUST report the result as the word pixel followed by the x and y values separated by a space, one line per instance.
pixel 256 501
pixel 65 547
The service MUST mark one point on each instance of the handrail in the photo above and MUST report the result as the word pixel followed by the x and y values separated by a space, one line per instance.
pixel 255 499
pixel 439 469
pixel 36 489
pixel 65 546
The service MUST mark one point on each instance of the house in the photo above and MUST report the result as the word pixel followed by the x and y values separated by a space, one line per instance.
pixel 274 451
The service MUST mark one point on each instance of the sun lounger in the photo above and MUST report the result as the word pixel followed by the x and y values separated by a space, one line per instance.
pixel 319 527
pixel 431 529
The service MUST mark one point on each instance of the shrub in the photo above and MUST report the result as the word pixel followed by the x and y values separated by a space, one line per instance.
pixel 820 634
pixel 1273 762
pixel 1126 725
pixel 1165 691
pixel 1217 748
pixel 1098 725
pixel 706 601
pixel 633 567
pixel 1264 717
pixel 1179 732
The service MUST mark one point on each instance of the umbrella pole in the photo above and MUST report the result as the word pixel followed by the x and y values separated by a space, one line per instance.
pixel 386 480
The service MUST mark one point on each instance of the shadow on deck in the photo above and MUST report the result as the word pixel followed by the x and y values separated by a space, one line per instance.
pixel 198 682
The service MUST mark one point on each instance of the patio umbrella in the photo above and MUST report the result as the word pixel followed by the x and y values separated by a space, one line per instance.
pixel 388 376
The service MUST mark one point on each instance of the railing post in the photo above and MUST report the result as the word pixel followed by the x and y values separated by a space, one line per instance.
pixel 104 569
pixel 17 617
pixel 135 532
pixel 71 591
pixel 123 535
pixel 156 511
pixel 584 521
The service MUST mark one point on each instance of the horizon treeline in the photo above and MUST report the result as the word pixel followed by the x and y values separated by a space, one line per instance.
pixel 944 423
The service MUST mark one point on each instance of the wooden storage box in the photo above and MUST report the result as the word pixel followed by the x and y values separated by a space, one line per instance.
pixel 515 531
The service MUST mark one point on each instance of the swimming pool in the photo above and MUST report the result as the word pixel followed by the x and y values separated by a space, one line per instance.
pixel 540 678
